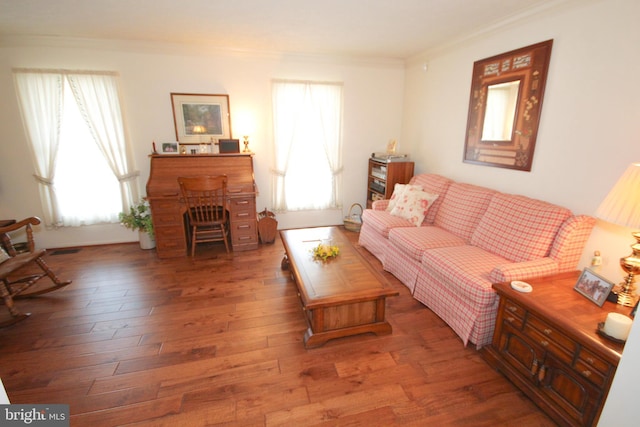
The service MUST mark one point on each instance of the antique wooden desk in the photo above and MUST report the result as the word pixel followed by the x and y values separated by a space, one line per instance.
pixel 168 211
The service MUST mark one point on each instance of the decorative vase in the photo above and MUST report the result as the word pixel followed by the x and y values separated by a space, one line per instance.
pixel 146 241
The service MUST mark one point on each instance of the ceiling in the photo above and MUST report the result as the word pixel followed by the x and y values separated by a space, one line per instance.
pixel 366 28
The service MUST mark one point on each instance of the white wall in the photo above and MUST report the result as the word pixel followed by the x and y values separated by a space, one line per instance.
pixel 588 131
pixel 373 99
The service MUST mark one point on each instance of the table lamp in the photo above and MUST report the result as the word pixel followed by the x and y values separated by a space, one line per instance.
pixel 199 130
pixel 622 207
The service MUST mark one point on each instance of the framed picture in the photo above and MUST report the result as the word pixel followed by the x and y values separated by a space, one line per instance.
pixel 229 145
pixel 594 287
pixel 200 118
pixel 169 148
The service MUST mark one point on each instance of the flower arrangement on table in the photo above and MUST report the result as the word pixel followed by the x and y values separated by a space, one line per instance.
pixel 138 218
pixel 325 251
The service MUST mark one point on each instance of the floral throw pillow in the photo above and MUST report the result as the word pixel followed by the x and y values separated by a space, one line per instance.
pixel 413 205
pixel 398 189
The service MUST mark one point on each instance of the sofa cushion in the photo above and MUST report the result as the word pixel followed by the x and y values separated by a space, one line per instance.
pixel 413 205
pixel 462 208
pixel 434 184
pixel 383 221
pixel 413 241
pixel 519 228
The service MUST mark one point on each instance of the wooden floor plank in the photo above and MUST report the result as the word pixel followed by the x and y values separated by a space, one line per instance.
pixel 217 340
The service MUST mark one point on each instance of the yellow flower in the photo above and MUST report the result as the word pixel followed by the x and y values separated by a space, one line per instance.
pixel 325 251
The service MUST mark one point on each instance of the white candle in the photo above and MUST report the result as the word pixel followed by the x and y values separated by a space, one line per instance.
pixel 617 326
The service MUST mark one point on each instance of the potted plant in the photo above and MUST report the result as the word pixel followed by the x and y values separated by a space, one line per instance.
pixel 139 218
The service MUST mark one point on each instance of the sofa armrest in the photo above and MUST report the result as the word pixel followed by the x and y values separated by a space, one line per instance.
pixel 380 205
pixel 570 241
pixel 523 270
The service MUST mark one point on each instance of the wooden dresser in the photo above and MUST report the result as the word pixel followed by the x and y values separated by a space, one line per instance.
pixel 168 211
pixel 546 343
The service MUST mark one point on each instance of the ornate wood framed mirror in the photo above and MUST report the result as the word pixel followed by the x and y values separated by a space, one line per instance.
pixel 505 105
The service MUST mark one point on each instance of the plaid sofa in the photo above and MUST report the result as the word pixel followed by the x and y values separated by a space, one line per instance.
pixel 470 238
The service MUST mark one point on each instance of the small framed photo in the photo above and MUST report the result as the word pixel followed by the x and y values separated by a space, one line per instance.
pixel 201 118
pixel 594 287
pixel 169 148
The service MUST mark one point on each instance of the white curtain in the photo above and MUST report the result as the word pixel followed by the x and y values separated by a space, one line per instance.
pixel 45 110
pixel 308 145
pixel 40 95
pixel 99 103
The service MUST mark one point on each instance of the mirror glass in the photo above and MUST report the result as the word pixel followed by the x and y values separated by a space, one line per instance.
pixel 500 111
pixel 505 105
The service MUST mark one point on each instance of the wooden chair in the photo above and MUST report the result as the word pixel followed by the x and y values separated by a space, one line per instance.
pixel 13 283
pixel 206 200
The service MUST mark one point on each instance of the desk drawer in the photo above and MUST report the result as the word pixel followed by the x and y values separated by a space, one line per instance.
pixel 169 233
pixel 243 232
pixel 242 208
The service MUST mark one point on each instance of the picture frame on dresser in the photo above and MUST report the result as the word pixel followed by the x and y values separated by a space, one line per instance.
pixel 200 118
pixel 593 286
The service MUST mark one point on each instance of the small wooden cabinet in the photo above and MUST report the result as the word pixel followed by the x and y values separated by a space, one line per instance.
pixel 546 343
pixel 383 176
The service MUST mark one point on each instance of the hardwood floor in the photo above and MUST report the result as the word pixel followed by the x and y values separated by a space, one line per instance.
pixel 218 341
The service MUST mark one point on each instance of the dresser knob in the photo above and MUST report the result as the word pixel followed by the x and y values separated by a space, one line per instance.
pixel 512 308
pixel 590 360
pixel 510 319
pixel 544 343
pixel 541 373
pixel 586 373
pixel 547 331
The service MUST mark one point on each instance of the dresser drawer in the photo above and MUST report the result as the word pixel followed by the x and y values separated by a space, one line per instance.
pixel 550 338
pixel 513 314
pixel 593 367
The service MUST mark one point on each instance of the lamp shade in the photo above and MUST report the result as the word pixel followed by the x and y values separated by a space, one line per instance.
pixel 622 204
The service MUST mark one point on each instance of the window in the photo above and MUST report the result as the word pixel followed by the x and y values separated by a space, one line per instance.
pixel 308 145
pixel 74 126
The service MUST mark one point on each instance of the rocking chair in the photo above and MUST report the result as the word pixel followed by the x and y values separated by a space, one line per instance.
pixel 12 261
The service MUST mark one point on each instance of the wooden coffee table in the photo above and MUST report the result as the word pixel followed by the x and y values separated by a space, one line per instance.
pixel 342 296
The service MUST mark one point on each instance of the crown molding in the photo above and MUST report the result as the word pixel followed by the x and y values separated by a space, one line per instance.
pixel 191 49
pixel 537 12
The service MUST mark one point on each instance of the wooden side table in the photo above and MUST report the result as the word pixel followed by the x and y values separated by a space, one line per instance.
pixel 546 342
